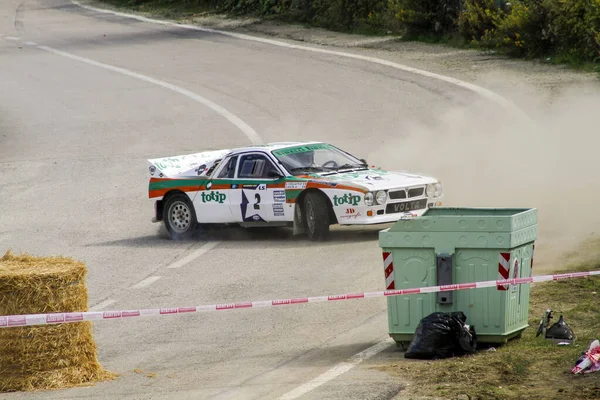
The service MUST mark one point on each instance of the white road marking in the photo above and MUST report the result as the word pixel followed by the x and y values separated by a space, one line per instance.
pixel 336 371
pixel 192 256
pixel 146 282
pixel 486 93
pixel 12 38
pixel 31 43
pixel 235 120
pixel 102 305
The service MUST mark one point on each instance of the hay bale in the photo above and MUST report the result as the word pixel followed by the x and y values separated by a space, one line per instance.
pixel 46 356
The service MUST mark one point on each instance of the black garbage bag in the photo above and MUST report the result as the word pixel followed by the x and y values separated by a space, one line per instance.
pixel 560 330
pixel 442 335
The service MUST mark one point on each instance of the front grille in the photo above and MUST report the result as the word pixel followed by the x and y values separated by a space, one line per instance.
pixel 406 193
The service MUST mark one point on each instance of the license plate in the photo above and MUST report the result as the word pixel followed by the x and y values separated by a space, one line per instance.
pixel 406 206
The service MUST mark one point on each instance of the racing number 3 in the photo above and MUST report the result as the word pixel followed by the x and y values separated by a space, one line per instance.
pixel 257 204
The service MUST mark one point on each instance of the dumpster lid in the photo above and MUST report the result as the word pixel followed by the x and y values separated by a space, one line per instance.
pixel 472 219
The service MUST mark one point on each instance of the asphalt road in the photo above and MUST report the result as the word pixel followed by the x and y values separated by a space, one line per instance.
pixel 74 136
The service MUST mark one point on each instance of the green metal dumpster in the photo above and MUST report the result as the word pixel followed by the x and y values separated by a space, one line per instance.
pixel 448 245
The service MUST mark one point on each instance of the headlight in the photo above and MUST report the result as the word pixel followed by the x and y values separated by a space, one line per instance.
pixel 434 189
pixel 381 197
pixel 369 199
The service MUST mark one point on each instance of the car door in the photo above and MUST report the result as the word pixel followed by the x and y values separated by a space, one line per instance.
pixel 258 194
pixel 213 200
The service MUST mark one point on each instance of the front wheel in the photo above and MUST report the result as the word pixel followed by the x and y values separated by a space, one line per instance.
pixel 179 217
pixel 316 216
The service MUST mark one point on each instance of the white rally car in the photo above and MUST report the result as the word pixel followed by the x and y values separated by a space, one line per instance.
pixel 306 185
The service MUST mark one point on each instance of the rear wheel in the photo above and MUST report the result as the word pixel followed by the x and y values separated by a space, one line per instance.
pixel 179 217
pixel 316 216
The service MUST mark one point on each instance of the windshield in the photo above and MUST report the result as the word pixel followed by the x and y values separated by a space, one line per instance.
pixel 318 157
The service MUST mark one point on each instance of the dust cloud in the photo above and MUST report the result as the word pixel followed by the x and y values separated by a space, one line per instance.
pixel 486 157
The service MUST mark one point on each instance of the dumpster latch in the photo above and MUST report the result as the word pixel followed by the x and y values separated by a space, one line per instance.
pixel 444 277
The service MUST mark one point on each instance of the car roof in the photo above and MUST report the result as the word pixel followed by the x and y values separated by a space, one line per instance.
pixel 270 146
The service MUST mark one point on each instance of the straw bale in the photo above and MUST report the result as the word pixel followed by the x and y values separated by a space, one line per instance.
pixel 47 356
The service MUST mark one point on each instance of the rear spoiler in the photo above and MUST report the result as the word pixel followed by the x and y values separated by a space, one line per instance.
pixel 189 165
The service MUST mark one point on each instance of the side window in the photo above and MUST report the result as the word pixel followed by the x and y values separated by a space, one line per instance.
pixel 255 166
pixel 229 170
pixel 212 169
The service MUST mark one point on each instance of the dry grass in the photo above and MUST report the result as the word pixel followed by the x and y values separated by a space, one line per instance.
pixel 527 368
pixel 48 356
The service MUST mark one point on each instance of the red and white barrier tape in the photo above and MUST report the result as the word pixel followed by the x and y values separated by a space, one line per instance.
pixel 57 318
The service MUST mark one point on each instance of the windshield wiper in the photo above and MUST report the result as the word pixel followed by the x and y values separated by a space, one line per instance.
pixel 350 166
pixel 307 169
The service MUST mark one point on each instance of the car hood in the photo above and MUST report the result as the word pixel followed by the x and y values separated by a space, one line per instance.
pixel 376 179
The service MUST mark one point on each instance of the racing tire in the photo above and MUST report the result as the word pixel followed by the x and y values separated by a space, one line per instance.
pixel 316 216
pixel 179 217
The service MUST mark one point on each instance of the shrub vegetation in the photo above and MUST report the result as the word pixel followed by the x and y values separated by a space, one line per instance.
pixel 565 30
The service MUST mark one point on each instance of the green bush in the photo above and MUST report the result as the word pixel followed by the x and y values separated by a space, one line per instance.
pixel 574 28
pixel 480 18
pixel 522 31
pixel 347 14
pixel 568 30
pixel 426 16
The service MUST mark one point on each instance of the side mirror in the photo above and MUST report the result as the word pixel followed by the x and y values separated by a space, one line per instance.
pixel 274 174
pixel 364 161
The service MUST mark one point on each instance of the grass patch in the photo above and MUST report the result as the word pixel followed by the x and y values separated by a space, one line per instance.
pixel 525 368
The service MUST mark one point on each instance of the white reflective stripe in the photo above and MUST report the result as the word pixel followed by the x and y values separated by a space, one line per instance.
pixel 388 260
pixel 389 280
pixel 502 261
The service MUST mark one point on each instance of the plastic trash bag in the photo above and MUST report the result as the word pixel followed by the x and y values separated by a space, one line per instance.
pixel 589 361
pixel 442 335
pixel 560 330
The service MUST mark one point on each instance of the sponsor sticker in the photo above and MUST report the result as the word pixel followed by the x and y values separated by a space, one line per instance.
pixel 295 185
pixel 278 210
pixel 325 183
pixel 279 196
pixel 213 197
pixel 350 216
pixel 169 162
pixel 200 170
pixel 348 198
pixel 301 149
